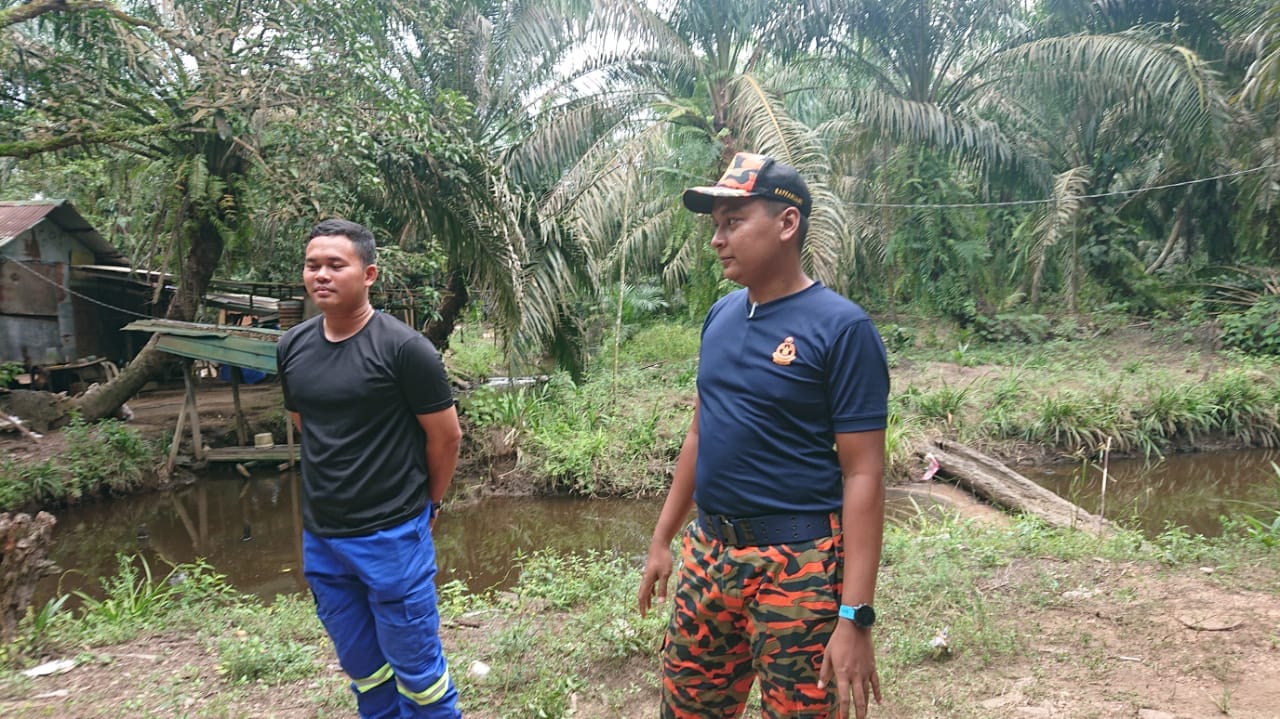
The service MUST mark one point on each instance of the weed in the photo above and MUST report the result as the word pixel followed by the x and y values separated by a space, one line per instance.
pixel 251 658
pixel 1264 526
pixel 945 403
pixel 135 595
pixel 1177 546
pixel 473 356
pixel 1223 703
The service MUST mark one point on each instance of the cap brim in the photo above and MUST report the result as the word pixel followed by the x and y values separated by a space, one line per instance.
pixel 701 199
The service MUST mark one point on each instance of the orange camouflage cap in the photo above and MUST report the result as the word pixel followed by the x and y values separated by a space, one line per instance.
pixel 752 175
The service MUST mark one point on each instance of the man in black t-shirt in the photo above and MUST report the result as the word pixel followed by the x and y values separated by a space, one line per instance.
pixel 380 440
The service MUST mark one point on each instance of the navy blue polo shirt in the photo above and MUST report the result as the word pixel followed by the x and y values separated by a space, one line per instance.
pixel 776 382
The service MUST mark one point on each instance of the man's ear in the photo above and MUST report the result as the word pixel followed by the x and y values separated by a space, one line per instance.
pixel 370 274
pixel 790 219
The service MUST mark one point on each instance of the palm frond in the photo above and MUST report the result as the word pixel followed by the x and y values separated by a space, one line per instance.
pixel 1057 219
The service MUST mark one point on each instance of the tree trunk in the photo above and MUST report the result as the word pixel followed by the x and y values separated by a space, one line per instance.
pixel 452 303
pixel 105 399
pixel 24 549
pixel 197 270
pixel 1174 234
pixel 1000 485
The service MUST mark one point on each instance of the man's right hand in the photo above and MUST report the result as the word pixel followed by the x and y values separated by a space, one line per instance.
pixel 657 570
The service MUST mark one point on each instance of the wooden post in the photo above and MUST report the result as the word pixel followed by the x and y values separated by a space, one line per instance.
pixel 177 438
pixel 197 441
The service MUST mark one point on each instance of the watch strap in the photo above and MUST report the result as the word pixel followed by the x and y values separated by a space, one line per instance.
pixel 852 613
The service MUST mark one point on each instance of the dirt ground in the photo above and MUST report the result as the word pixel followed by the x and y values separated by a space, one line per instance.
pixel 155 414
pixel 1117 640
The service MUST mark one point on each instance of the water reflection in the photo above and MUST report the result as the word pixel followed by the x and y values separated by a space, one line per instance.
pixel 250 530
pixel 1191 490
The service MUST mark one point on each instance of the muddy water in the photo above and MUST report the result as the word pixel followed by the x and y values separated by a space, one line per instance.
pixel 1191 490
pixel 250 529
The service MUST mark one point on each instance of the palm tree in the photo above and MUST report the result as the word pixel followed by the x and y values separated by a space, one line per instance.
pixel 1255 40
pixel 666 97
pixel 1020 113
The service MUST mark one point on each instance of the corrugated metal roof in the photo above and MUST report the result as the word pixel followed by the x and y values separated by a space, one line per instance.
pixel 18 217
pixel 254 348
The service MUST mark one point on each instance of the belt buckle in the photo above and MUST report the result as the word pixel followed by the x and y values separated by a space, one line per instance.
pixel 728 532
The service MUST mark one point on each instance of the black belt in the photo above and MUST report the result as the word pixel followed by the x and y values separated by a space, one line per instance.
pixel 767 530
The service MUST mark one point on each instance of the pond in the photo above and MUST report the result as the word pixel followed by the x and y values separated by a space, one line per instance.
pixel 250 530
pixel 1188 490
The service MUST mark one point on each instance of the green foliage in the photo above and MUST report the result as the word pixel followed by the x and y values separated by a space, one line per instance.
pixel 587 585
pixel 1262 523
pixel 108 457
pixel 582 605
pixel 944 403
pixel 640 303
pixel 473 356
pixel 9 370
pixel 1256 330
pixel 134 596
pixel 35 631
pixel 584 440
pixel 935 567
pixel 270 661
pixel 668 342
pixel 897 338
pixel 501 406
pixel 453 599
pixel 1027 328
pixel 1175 545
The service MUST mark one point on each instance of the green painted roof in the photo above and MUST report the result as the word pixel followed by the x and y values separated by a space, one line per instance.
pixel 253 348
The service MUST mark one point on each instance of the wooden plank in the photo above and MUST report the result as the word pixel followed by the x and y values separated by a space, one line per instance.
pixel 249 454
pixel 197 442
pixel 198 329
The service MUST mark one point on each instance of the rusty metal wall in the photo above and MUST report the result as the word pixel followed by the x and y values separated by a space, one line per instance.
pixel 37 317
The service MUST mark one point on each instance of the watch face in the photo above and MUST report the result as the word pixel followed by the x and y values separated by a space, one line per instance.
pixel 864 615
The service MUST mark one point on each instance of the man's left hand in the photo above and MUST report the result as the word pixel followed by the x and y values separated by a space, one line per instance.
pixel 851 660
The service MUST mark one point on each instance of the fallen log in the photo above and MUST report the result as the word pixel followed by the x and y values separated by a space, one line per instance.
pixel 991 479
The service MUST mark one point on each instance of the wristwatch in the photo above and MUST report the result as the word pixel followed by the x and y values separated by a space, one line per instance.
pixel 862 615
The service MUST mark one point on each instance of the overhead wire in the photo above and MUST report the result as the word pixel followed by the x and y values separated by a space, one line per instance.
pixel 877 205
pixel 1053 200
pixel 68 290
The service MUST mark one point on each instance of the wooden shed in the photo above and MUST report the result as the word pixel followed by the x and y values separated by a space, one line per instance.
pixel 51 313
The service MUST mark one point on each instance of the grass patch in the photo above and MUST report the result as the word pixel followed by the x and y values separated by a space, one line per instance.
pixel 568 641
pixel 104 458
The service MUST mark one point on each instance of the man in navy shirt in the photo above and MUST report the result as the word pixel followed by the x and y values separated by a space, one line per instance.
pixel 784 462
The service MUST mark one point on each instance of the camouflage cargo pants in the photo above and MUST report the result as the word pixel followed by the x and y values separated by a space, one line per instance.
pixel 743 613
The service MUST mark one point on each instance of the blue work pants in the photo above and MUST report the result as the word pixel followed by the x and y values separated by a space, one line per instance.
pixel 376 596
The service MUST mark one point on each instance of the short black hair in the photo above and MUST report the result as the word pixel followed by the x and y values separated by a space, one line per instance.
pixel 360 236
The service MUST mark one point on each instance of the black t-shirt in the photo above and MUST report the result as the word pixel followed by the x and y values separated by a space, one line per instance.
pixel 364 464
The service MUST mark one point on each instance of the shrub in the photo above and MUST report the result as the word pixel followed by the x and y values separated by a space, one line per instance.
pixel 1256 330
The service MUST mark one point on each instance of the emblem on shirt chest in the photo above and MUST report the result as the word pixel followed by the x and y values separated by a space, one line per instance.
pixel 786 352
